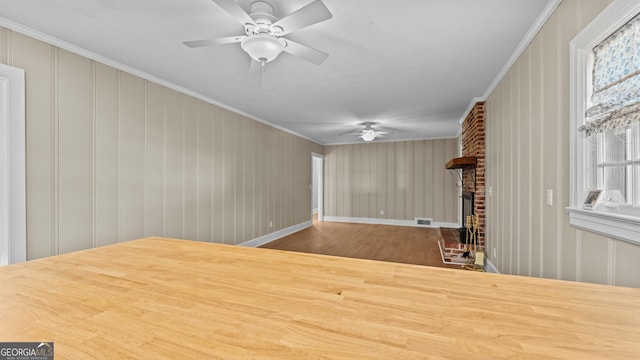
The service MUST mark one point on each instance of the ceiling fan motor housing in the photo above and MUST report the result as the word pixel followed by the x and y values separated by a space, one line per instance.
pixel 262 15
pixel 262 43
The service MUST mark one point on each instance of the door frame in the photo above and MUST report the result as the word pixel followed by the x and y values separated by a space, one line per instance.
pixel 315 158
pixel 13 215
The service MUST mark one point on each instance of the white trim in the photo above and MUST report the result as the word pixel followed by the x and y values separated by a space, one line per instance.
pixel 9 24
pixel 621 227
pixel 473 103
pixel 13 215
pixel 617 226
pixel 380 140
pixel 394 222
pixel 320 184
pixel 489 267
pixel 546 13
pixel 276 235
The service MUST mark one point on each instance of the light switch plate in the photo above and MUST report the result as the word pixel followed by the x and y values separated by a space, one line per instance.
pixel 549 197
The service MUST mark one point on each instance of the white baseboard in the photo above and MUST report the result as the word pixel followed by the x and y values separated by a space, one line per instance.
pixel 395 222
pixel 276 235
pixel 489 267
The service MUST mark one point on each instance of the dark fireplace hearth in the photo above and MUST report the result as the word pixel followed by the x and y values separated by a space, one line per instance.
pixel 467 210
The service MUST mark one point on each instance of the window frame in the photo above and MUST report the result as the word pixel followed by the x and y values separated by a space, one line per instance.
pixel 613 225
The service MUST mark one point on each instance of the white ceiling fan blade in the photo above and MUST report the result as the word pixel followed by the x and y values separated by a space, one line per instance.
pixel 217 41
pixel 235 10
pixel 310 54
pixel 305 16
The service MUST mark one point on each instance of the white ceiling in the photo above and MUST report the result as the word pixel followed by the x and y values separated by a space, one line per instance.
pixel 411 65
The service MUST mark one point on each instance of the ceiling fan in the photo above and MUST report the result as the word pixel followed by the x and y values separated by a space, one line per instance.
pixel 263 39
pixel 368 133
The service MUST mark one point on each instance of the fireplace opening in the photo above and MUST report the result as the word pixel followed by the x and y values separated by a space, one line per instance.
pixel 467 210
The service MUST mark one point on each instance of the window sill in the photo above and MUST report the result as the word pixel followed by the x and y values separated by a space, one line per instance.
pixel 617 226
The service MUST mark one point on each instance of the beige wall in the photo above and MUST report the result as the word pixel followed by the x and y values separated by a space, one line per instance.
pixel 405 179
pixel 112 157
pixel 528 152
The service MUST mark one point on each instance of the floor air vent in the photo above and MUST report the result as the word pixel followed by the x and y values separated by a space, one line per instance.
pixel 424 221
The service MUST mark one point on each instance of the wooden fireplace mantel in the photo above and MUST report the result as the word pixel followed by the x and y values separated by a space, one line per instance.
pixel 463 162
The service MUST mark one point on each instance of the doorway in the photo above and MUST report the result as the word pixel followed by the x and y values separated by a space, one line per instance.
pixel 13 229
pixel 317 186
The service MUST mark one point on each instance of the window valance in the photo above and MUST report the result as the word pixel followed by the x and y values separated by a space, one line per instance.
pixel 616 81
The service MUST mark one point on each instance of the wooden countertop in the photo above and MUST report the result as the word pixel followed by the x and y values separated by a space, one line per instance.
pixel 173 299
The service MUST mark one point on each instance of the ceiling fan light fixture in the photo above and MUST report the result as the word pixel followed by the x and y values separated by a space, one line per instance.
pixel 263 48
pixel 368 135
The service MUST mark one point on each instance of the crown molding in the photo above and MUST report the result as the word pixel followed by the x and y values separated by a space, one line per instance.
pixel 546 13
pixel 51 40
pixel 473 103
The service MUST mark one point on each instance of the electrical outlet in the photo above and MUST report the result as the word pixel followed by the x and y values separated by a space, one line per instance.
pixel 495 253
pixel 381 212
pixel 270 224
pixel 549 197
pixel 490 190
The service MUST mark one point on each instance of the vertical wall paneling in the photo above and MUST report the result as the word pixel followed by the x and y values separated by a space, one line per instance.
pixel 431 169
pixel 239 169
pixel 154 147
pixel 190 163
pixel 408 176
pixel 335 194
pixel 173 166
pixel 131 171
pixel 4 44
pixel 419 178
pixel 524 193
pixel 527 152
pixel 274 209
pixel 593 253
pixel 439 178
pixel 510 160
pixel 536 150
pixel 217 176
pixel 251 210
pixel 392 178
pixel 403 179
pixel 38 61
pixel 229 171
pixel 113 157
pixel 329 183
pixel 106 154
pixel 451 208
pixel 204 168
pixel 264 179
pixel 75 147
pixel 568 256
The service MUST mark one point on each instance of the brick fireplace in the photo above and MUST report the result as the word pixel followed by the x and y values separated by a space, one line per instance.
pixel 473 145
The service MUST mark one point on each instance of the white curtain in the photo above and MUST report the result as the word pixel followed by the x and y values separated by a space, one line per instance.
pixel 616 81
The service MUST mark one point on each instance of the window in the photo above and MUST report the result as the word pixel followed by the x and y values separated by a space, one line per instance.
pixel 605 122
pixel 613 165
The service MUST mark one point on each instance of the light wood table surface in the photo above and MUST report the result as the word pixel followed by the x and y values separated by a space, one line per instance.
pixel 173 299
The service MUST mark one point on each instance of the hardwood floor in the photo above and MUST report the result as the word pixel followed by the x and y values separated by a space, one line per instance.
pixel 401 244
